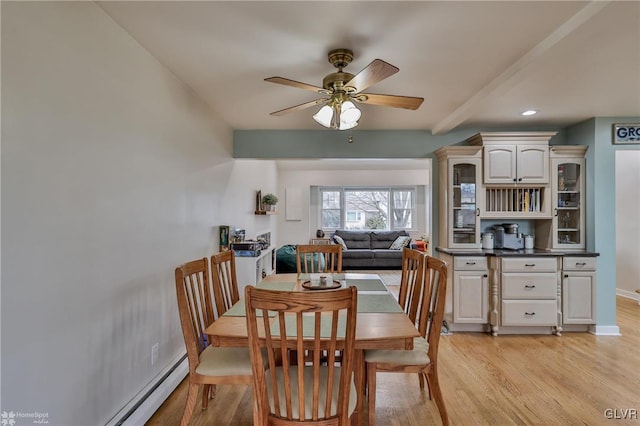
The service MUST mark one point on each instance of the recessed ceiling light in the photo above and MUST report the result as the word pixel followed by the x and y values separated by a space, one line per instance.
pixel 529 112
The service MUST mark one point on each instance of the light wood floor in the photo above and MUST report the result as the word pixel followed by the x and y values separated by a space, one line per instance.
pixel 504 380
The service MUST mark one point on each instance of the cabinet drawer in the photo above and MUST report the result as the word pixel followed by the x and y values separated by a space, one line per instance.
pixel 529 264
pixel 529 312
pixel 468 263
pixel 572 263
pixel 530 286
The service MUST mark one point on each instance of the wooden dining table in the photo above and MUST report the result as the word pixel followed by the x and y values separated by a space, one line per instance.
pixel 381 322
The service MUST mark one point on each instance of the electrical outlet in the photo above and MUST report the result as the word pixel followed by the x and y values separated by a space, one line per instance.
pixel 154 353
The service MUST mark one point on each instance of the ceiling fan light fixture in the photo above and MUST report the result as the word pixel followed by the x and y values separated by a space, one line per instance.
pixel 350 113
pixel 346 126
pixel 344 88
pixel 324 116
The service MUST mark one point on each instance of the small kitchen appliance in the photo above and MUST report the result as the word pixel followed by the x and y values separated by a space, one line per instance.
pixel 498 240
pixel 487 240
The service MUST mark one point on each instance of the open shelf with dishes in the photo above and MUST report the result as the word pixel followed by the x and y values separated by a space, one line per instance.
pixel 516 202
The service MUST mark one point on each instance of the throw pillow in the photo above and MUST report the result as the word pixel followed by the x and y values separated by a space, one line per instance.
pixel 338 239
pixel 400 243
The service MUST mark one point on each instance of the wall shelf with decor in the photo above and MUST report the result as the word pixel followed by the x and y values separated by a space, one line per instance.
pixel 265 205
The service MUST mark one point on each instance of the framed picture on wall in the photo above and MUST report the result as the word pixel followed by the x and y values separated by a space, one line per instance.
pixel 224 238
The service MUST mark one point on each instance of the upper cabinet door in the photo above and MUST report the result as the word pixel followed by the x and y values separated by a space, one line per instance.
pixel 465 204
pixel 517 163
pixel 533 164
pixel 500 163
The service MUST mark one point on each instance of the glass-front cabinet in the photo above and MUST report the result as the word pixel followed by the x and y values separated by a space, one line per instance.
pixel 568 180
pixel 464 203
pixel 460 174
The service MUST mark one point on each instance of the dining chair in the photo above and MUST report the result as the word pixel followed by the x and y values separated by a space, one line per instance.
pixel 225 284
pixel 313 258
pixel 208 365
pixel 410 277
pixel 426 310
pixel 302 393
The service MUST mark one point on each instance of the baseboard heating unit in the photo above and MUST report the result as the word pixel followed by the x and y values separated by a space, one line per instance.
pixel 140 409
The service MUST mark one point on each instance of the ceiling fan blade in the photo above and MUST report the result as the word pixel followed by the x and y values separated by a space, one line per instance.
pixel 376 71
pixel 299 107
pixel 298 84
pixel 407 102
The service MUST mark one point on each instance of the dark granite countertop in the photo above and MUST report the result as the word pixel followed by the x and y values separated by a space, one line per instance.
pixel 515 253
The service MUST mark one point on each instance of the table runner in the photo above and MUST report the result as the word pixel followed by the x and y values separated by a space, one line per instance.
pixel 366 284
pixel 378 303
pixel 368 301
pixel 308 325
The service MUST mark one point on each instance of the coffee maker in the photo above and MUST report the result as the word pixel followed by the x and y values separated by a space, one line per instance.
pixel 507 237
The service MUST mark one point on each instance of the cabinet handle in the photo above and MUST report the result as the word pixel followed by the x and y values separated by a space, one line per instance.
pixel 478 211
pixel 530 313
pixel 520 180
pixel 485 276
pixel 555 212
pixel 529 286
pixel 566 276
pixel 515 180
pixel 530 264
pixel 581 263
pixel 471 263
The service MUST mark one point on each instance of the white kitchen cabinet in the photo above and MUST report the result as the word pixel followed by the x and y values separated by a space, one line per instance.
pixel 566 229
pixel 514 157
pixel 515 163
pixel 529 294
pixel 579 290
pixel 470 290
pixel 251 270
pixel 460 204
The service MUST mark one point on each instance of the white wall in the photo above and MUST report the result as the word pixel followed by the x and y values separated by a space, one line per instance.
pixel 628 222
pixel 113 173
pixel 299 232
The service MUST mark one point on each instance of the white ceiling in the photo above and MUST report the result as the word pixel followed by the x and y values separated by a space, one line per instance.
pixel 476 63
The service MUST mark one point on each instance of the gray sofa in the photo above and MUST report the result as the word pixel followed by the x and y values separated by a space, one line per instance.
pixel 370 249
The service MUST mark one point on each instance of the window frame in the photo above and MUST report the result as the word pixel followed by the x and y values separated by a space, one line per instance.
pixel 390 207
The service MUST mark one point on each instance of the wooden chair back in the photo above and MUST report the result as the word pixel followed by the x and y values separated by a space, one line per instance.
pixel 433 300
pixel 194 306
pixel 411 282
pixel 312 258
pixel 219 365
pixel 225 284
pixel 307 391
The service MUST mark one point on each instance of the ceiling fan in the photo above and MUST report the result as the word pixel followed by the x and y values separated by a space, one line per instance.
pixel 342 88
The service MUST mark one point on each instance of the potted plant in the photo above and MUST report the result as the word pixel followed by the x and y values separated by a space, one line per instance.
pixel 269 201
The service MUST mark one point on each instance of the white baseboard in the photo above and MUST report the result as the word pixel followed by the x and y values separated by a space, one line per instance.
pixel 628 294
pixel 605 330
pixel 140 409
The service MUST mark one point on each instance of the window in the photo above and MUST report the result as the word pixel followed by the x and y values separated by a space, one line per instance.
pixel 367 208
pixel 331 207
pixel 354 216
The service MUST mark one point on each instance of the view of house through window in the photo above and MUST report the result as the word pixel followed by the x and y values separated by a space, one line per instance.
pixel 367 208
